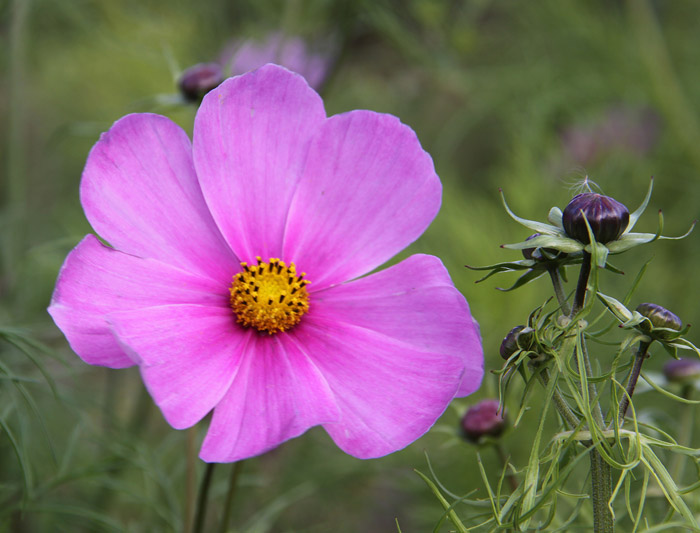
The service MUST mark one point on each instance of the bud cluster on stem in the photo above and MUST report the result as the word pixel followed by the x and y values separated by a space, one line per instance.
pixel 552 347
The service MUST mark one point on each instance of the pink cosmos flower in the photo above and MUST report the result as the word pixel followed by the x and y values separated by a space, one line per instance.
pixel 289 51
pixel 203 286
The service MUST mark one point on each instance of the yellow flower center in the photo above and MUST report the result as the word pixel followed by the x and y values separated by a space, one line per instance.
pixel 269 296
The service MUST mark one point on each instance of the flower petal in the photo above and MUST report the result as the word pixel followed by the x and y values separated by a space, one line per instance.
pixel 96 280
pixel 277 394
pixel 389 393
pixel 416 303
pixel 368 190
pixel 189 355
pixel 251 137
pixel 140 193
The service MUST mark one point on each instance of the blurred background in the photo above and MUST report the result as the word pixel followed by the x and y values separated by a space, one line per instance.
pixel 527 96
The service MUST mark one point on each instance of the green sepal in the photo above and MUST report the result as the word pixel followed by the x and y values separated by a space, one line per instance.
pixel 556 217
pixel 524 264
pixel 526 278
pixel 558 242
pixel 638 212
pixel 539 227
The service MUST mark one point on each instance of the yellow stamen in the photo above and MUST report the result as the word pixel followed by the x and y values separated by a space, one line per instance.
pixel 269 296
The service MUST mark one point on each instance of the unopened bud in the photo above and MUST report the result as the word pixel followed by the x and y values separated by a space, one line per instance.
pixel 682 370
pixel 199 79
pixel 607 218
pixel 518 338
pixel 660 317
pixel 483 420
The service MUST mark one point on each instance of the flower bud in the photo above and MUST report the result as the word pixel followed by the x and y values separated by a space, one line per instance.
pixel 659 316
pixel 607 217
pixel 199 79
pixel 682 370
pixel 518 338
pixel 483 420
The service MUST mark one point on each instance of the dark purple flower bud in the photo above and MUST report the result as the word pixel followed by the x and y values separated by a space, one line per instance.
pixel 518 338
pixel 198 80
pixel 682 370
pixel 607 217
pixel 660 317
pixel 483 420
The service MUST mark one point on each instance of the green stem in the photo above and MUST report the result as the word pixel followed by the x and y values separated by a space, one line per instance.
pixel 16 123
pixel 232 485
pixel 582 285
pixel 601 476
pixel 190 475
pixel 592 391
pixel 202 499
pixel 601 482
pixel 671 97
pixel 639 358
pixel 503 458
pixel 558 289
pixel 560 403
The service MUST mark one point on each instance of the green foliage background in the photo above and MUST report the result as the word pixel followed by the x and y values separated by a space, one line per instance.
pixel 489 88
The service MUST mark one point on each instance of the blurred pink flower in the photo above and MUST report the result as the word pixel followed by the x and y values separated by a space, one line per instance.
pixel 183 295
pixel 291 52
pixel 633 130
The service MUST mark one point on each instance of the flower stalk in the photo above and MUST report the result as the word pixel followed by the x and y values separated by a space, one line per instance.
pixel 560 403
pixel 639 358
pixel 601 480
pixel 582 285
pixel 558 289
pixel 590 229
pixel 236 469
pixel 202 499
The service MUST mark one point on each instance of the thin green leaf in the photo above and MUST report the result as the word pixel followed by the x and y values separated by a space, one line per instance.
pixel 448 508
pixel 492 498
pixel 668 486
pixel 26 475
pixel 667 393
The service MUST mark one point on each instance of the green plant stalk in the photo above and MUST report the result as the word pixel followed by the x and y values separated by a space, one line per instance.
pixel 582 285
pixel 503 458
pixel 558 289
pixel 560 403
pixel 601 475
pixel 601 483
pixel 16 205
pixel 236 469
pixel 202 499
pixel 190 477
pixel 639 358
pixel 671 97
